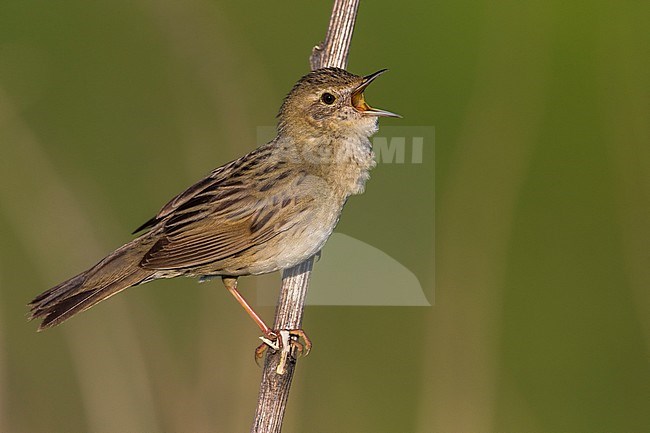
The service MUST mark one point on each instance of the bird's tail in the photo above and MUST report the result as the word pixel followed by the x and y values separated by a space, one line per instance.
pixel 118 271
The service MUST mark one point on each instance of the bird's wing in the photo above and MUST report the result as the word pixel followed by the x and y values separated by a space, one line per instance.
pixel 222 178
pixel 216 237
pixel 218 223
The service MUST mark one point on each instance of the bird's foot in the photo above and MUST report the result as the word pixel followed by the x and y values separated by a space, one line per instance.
pixel 286 341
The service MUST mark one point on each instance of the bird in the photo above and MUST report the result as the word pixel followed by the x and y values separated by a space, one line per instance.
pixel 266 211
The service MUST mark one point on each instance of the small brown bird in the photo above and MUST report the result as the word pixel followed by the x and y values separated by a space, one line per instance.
pixel 266 211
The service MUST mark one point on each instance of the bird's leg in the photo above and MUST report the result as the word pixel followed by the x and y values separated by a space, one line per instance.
pixel 271 338
pixel 231 285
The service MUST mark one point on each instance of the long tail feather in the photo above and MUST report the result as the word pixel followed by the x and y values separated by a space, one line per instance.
pixel 118 271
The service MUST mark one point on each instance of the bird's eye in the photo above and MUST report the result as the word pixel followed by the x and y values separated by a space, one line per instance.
pixel 328 98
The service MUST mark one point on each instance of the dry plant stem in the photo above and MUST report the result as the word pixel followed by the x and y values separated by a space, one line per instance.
pixel 274 387
pixel 333 51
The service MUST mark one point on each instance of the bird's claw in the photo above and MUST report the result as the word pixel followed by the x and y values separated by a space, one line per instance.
pixel 286 341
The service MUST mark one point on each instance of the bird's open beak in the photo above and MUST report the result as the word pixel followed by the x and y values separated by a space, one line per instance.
pixel 360 104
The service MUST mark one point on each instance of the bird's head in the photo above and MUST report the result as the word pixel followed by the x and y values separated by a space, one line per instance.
pixel 330 101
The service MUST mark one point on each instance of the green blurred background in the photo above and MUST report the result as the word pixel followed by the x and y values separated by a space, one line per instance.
pixel 541 319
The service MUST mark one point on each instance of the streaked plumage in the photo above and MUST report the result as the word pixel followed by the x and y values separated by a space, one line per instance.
pixel 266 211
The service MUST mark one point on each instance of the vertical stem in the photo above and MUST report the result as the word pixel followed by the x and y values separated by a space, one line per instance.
pixel 274 387
pixel 333 51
